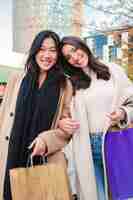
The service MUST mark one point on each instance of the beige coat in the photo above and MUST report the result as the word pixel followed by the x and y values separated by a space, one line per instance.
pixel 79 148
pixel 53 138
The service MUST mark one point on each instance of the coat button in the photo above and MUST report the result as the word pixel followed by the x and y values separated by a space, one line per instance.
pixel 7 137
pixel 11 114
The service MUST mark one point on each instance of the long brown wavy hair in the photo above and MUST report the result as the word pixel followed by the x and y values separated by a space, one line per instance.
pixel 78 77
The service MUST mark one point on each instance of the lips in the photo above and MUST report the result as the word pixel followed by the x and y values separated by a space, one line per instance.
pixel 77 63
pixel 48 62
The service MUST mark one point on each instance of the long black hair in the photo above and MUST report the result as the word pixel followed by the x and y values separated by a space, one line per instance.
pixel 79 78
pixel 31 65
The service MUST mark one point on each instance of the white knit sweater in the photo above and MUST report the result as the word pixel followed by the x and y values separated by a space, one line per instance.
pixel 98 98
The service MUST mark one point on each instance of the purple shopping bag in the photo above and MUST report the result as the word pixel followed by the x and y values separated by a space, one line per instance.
pixel 119 162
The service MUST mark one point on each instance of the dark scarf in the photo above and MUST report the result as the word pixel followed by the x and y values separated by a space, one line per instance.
pixel 35 109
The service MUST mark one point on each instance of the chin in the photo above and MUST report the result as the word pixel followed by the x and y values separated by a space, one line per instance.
pixel 80 66
pixel 46 68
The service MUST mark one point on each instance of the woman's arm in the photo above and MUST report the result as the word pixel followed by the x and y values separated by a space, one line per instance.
pixel 123 116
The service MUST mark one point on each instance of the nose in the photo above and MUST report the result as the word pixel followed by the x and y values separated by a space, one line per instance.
pixel 74 57
pixel 47 53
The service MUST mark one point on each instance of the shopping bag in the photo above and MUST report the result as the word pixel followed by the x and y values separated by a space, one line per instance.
pixel 119 162
pixel 42 182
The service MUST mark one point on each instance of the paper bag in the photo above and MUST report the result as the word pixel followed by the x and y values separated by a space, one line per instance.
pixel 43 182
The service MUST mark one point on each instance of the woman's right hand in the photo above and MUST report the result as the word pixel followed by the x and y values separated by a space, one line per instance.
pixel 68 125
pixel 39 146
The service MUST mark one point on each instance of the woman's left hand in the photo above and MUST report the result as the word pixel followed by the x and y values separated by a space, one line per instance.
pixel 117 116
pixel 39 147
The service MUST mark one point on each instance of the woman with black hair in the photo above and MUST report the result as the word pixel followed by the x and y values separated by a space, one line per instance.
pixel 33 104
pixel 103 97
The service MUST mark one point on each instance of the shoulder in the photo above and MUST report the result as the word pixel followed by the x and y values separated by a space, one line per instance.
pixel 14 79
pixel 115 68
pixel 119 74
pixel 16 76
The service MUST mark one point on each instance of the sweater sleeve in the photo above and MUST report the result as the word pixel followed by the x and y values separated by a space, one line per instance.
pixel 124 93
pixel 127 106
pixel 126 98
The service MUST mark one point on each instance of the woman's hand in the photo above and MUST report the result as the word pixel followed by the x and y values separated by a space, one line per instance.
pixel 68 125
pixel 39 147
pixel 117 116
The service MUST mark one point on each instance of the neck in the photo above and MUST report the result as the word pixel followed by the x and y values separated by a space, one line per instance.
pixel 42 78
pixel 86 70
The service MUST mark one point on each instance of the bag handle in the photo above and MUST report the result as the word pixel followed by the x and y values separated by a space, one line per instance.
pixel 30 161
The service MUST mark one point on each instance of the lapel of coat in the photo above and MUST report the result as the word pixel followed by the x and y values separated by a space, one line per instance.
pixel 59 109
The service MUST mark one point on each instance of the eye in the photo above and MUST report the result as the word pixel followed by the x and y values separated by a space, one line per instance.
pixel 81 55
pixel 73 50
pixel 53 50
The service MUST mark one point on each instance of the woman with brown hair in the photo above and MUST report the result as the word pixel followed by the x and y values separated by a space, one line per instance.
pixel 103 97
pixel 32 106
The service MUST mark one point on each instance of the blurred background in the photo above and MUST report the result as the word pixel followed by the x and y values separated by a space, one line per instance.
pixel 106 26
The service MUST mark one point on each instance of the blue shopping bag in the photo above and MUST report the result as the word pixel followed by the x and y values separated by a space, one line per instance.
pixel 119 162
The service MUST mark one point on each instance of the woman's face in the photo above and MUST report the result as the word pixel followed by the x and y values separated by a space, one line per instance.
pixel 75 56
pixel 46 57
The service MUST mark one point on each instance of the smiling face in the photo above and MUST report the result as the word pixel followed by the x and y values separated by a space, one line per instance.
pixel 47 55
pixel 75 56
